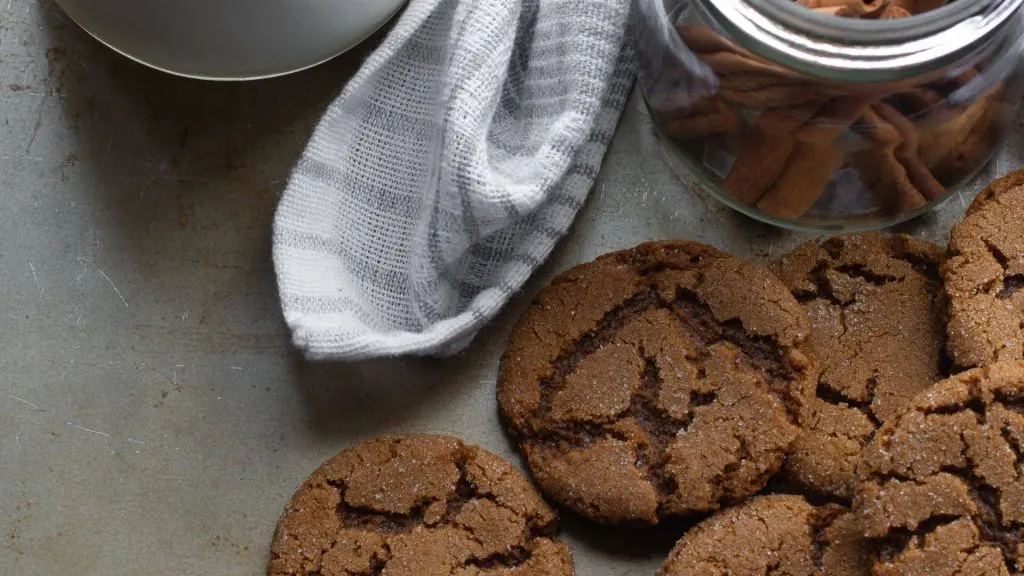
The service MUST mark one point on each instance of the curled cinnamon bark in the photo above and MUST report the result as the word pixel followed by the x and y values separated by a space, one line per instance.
pixel 728 63
pixel 808 170
pixel 814 159
pixel 712 116
pixel 881 170
pixel 894 12
pixel 847 8
pixel 763 152
pixel 919 100
pixel 914 7
pixel 704 40
pixel 872 8
pixel 787 161
pixel 908 152
pixel 963 136
pixel 771 96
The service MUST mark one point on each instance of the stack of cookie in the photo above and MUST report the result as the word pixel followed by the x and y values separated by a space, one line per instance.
pixel 855 409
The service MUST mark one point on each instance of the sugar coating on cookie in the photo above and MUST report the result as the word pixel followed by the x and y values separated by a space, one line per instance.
pixel 995 188
pixel 877 313
pixel 983 274
pixel 659 381
pixel 773 535
pixel 942 485
pixel 417 505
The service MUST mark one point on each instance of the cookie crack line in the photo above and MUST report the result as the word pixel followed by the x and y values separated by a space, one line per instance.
pixel 865 273
pixel 391 524
pixel 762 352
pixel 603 333
pixel 1011 282
pixel 657 425
pixel 996 253
pixel 988 518
pixel 898 539
pixel 823 285
pixel 821 520
pixel 822 289
pixel 830 395
pixel 685 307
pixel 1017 449
pixel 357 517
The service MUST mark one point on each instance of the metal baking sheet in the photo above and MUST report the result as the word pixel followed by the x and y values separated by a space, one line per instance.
pixel 153 416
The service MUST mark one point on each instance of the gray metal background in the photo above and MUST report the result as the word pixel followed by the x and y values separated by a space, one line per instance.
pixel 153 417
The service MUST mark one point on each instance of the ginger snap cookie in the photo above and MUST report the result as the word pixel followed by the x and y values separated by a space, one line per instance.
pixel 942 485
pixel 771 535
pixel 660 381
pixel 983 273
pixel 997 187
pixel 877 313
pixel 417 505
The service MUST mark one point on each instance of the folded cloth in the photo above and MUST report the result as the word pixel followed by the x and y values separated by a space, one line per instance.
pixel 446 171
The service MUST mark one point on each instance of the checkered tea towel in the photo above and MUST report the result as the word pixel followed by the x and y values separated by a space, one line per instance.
pixel 446 171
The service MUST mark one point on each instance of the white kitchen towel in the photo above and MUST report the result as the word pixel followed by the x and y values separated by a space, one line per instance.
pixel 447 170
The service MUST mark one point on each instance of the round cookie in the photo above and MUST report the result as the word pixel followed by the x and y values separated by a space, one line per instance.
pixel 995 188
pixel 771 535
pixel 417 506
pixel 877 313
pixel 659 381
pixel 942 485
pixel 983 273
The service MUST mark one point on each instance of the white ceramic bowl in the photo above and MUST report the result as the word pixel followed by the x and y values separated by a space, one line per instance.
pixel 231 39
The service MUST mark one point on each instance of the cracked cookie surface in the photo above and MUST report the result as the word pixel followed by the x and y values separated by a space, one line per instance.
pixel 995 188
pixel 418 505
pixel 877 313
pixel 942 485
pixel 773 536
pixel 983 274
pixel 660 381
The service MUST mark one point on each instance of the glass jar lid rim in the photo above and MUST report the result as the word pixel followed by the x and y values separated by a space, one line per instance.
pixel 825 45
pixel 862 31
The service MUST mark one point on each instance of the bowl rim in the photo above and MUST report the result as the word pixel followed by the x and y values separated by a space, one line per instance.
pixel 212 77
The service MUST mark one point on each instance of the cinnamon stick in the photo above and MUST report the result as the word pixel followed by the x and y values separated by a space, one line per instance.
pixel 748 80
pixel 885 176
pixel 831 11
pixel 880 169
pixel 920 99
pixel 763 153
pixel 814 160
pixel 953 144
pixel 771 96
pixel 848 8
pixel 908 152
pixel 726 63
pixel 704 40
pixel 808 170
pixel 713 117
pixel 894 12
pixel 914 7
pixel 833 119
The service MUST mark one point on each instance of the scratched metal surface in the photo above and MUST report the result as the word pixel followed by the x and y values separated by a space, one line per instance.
pixel 153 418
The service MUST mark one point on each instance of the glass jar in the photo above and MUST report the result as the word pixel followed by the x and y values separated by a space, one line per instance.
pixel 812 121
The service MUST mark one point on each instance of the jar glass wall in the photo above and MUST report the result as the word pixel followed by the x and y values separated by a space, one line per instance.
pixel 809 120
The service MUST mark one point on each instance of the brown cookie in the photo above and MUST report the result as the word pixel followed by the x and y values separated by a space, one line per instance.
pixel 877 313
pixel 997 187
pixel 659 381
pixel 983 273
pixel 942 485
pixel 417 506
pixel 772 535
